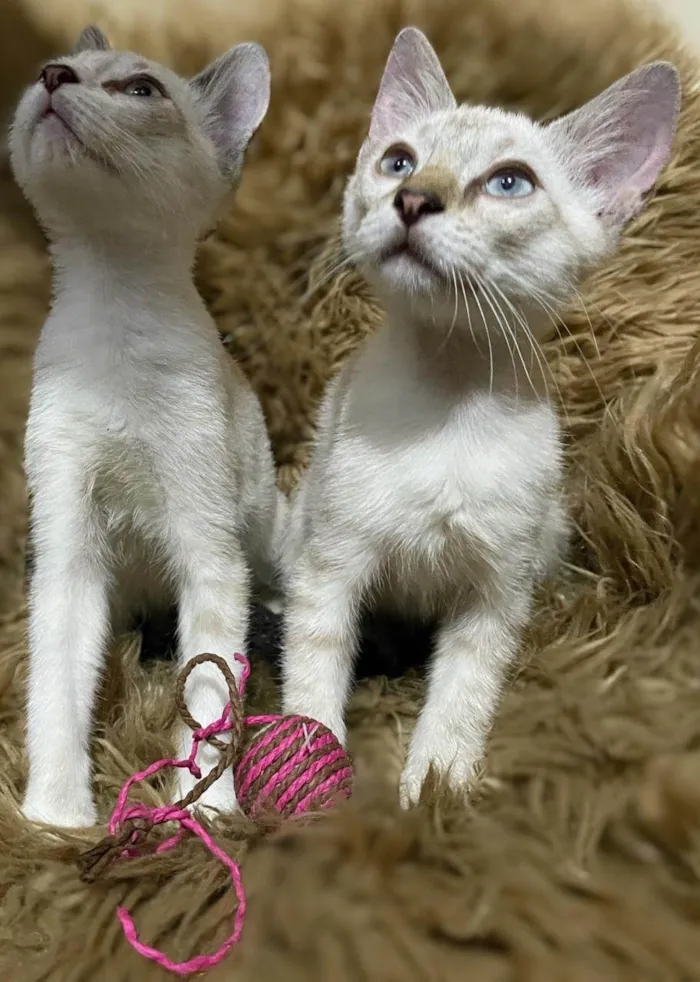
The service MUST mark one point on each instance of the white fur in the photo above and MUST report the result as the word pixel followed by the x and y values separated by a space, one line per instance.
pixel 147 457
pixel 435 484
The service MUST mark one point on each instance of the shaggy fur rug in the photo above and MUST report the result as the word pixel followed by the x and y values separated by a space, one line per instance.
pixel 579 856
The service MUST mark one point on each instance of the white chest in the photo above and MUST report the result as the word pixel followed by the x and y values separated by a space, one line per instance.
pixel 449 480
pixel 441 492
pixel 127 406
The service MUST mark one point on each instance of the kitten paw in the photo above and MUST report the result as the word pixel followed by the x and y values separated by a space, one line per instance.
pixel 410 788
pixel 67 813
pixel 457 773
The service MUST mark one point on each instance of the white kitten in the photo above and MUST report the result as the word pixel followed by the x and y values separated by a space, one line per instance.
pixel 147 457
pixel 434 486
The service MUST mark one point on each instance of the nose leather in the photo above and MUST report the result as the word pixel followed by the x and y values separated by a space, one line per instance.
pixel 53 76
pixel 412 205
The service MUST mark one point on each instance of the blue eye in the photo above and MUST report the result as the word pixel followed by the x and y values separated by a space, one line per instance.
pixel 510 183
pixel 397 162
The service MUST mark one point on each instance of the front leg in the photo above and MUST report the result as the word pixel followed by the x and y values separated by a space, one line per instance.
pixel 475 646
pixel 68 636
pixel 214 601
pixel 323 605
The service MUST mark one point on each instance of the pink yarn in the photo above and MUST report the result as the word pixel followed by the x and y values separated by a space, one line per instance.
pixel 294 727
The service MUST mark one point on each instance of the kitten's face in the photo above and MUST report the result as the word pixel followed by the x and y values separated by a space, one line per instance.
pixel 108 130
pixel 467 195
pixel 450 203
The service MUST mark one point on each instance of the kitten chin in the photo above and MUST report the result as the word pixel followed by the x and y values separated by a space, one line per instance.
pixel 408 268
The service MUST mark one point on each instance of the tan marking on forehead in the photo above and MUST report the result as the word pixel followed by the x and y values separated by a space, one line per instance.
pixel 108 63
pixel 439 181
pixel 504 146
pixel 123 64
pixel 139 65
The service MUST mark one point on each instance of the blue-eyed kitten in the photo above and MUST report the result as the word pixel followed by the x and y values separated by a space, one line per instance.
pixel 435 483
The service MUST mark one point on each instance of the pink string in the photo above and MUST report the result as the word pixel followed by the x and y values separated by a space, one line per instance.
pixel 292 728
pixel 171 813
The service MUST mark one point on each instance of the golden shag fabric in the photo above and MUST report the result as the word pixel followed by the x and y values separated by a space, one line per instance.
pixel 579 858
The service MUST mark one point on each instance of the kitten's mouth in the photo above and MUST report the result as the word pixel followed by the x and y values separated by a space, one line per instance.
pixel 50 114
pixel 406 250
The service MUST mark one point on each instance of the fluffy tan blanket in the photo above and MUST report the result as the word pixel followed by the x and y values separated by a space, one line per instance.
pixel 579 858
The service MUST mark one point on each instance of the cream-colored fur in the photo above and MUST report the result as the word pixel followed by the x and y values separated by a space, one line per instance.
pixel 147 456
pixel 435 482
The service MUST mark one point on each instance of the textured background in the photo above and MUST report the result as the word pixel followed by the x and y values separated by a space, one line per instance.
pixel 687 14
pixel 579 858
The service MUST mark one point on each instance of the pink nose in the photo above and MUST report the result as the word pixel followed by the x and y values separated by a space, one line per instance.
pixel 412 205
pixel 54 76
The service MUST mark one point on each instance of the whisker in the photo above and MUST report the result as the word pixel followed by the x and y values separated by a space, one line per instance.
pixel 507 333
pixel 345 263
pixel 469 313
pixel 528 335
pixel 539 354
pixel 604 316
pixel 557 322
pixel 544 301
pixel 488 340
pixel 534 348
pixel 581 353
pixel 454 317
pixel 594 339
pixel 534 344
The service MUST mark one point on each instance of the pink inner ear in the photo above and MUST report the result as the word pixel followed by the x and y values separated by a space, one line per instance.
pixel 235 90
pixel 646 137
pixel 622 139
pixel 653 155
pixel 412 87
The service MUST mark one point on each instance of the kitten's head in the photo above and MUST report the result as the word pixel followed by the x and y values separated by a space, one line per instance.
pixel 108 137
pixel 450 202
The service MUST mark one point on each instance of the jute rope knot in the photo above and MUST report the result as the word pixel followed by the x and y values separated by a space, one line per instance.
pixel 294 765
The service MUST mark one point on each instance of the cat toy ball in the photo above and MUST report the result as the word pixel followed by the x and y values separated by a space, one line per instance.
pixel 288 765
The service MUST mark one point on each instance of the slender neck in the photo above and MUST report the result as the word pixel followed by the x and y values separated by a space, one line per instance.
pixel 123 266
pixel 472 351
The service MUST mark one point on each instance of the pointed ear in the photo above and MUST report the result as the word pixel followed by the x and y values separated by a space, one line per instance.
pixel 235 93
pixel 413 86
pixel 619 142
pixel 92 39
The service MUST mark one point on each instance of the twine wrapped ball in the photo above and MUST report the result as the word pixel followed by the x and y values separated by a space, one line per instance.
pixel 290 765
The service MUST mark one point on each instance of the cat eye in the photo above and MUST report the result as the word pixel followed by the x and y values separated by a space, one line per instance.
pixel 397 162
pixel 143 86
pixel 510 182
